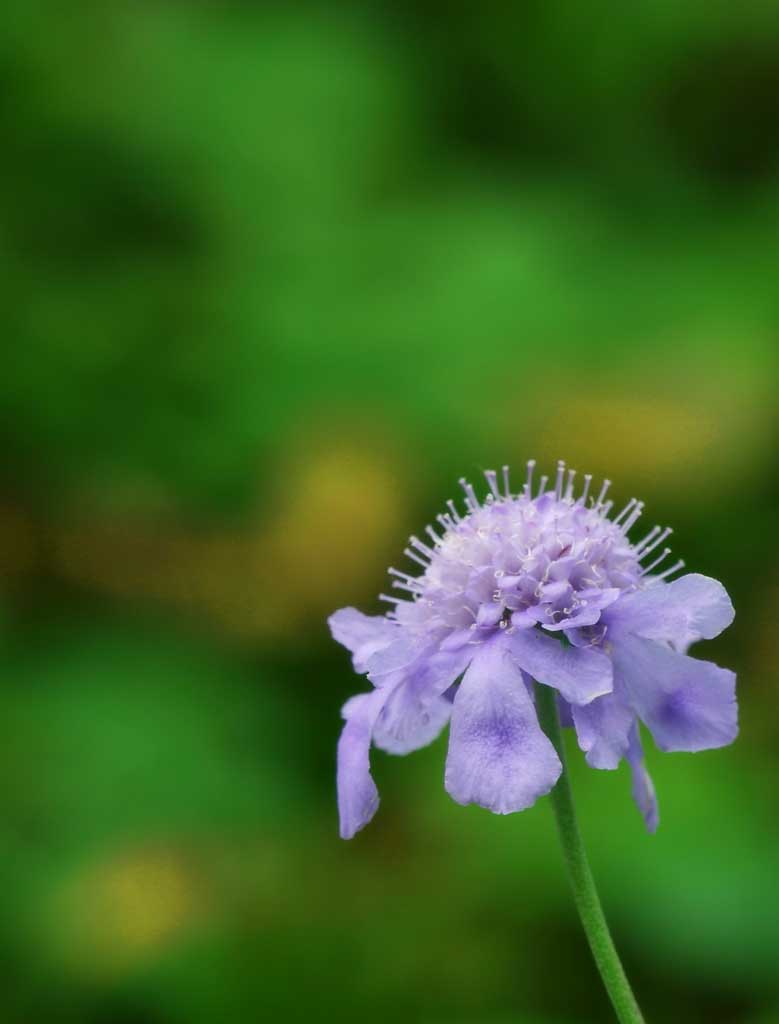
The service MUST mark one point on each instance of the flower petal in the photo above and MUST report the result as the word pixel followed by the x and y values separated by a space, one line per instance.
pixel 498 756
pixel 363 635
pixel 589 612
pixel 687 704
pixel 642 787
pixel 358 797
pixel 415 712
pixel 691 608
pixel 603 728
pixel 579 674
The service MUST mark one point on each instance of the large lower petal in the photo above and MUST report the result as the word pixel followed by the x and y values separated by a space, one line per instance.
pixel 642 788
pixel 358 797
pixel 498 756
pixel 580 674
pixel 691 608
pixel 363 635
pixel 603 728
pixel 687 704
pixel 415 711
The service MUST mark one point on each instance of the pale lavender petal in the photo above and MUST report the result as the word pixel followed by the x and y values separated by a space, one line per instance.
pixel 390 663
pixel 691 608
pixel 358 797
pixel 564 712
pixel 589 611
pixel 498 756
pixel 603 727
pixel 686 704
pixel 363 635
pixel 416 710
pixel 579 674
pixel 642 787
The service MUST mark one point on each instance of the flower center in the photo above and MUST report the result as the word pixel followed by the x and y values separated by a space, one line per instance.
pixel 516 560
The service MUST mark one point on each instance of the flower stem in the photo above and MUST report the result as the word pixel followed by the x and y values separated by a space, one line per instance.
pixel 584 892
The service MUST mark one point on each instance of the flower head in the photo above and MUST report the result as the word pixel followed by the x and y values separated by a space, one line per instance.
pixel 529 588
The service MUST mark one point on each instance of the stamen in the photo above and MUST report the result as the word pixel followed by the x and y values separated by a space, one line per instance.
pixel 645 540
pixel 542 485
pixel 393 600
pixel 657 561
pixel 625 510
pixel 410 554
pixel 583 496
pixel 453 509
pixel 569 487
pixel 558 490
pixel 405 586
pixel 658 540
pixel 606 508
pixel 674 568
pixel 433 535
pixel 470 495
pixel 634 515
pixel 492 480
pixel 446 521
pixel 506 487
pixel 402 575
pixel 421 546
pixel 529 482
pixel 602 495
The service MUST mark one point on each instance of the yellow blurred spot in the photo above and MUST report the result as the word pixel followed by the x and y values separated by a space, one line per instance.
pixel 324 540
pixel 127 909
pixel 704 432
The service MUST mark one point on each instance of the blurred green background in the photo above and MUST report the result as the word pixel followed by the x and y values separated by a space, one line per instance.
pixel 275 277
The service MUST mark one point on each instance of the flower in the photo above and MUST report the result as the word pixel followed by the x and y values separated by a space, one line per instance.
pixel 527 589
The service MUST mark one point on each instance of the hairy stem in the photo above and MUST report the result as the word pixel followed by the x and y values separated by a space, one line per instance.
pixel 584 892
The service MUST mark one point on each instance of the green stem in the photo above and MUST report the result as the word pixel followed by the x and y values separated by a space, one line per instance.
pixel 584 892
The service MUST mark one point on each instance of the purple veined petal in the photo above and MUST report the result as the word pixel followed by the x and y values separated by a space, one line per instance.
pixel 642 787
pixel 363 635
pixel 358 797
pixel 603 727
pixel 686 704
pixel 498 756
pixel 580 674
pixel 416 710
pixel 691 608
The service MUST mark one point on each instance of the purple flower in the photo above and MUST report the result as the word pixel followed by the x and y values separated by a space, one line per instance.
pixel 523 589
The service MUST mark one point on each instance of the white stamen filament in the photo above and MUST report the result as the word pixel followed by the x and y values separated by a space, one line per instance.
pixel 492 480
pixel 602 495
pixel 529 482
pixel 569 486
pixel 411 554
pixel 631 519
pixel 405 586
pixel 542 485
pixel 558 490
pixel 676 566
pixel 433 535
pixel 625 510
pixel 658 540
pixel 453 509
pixel 645 540
pixel 421 546
pixel 657 561
pixel 471 500
pixel 583 496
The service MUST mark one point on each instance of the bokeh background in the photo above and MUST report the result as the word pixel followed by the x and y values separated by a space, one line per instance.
pixel 275 277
